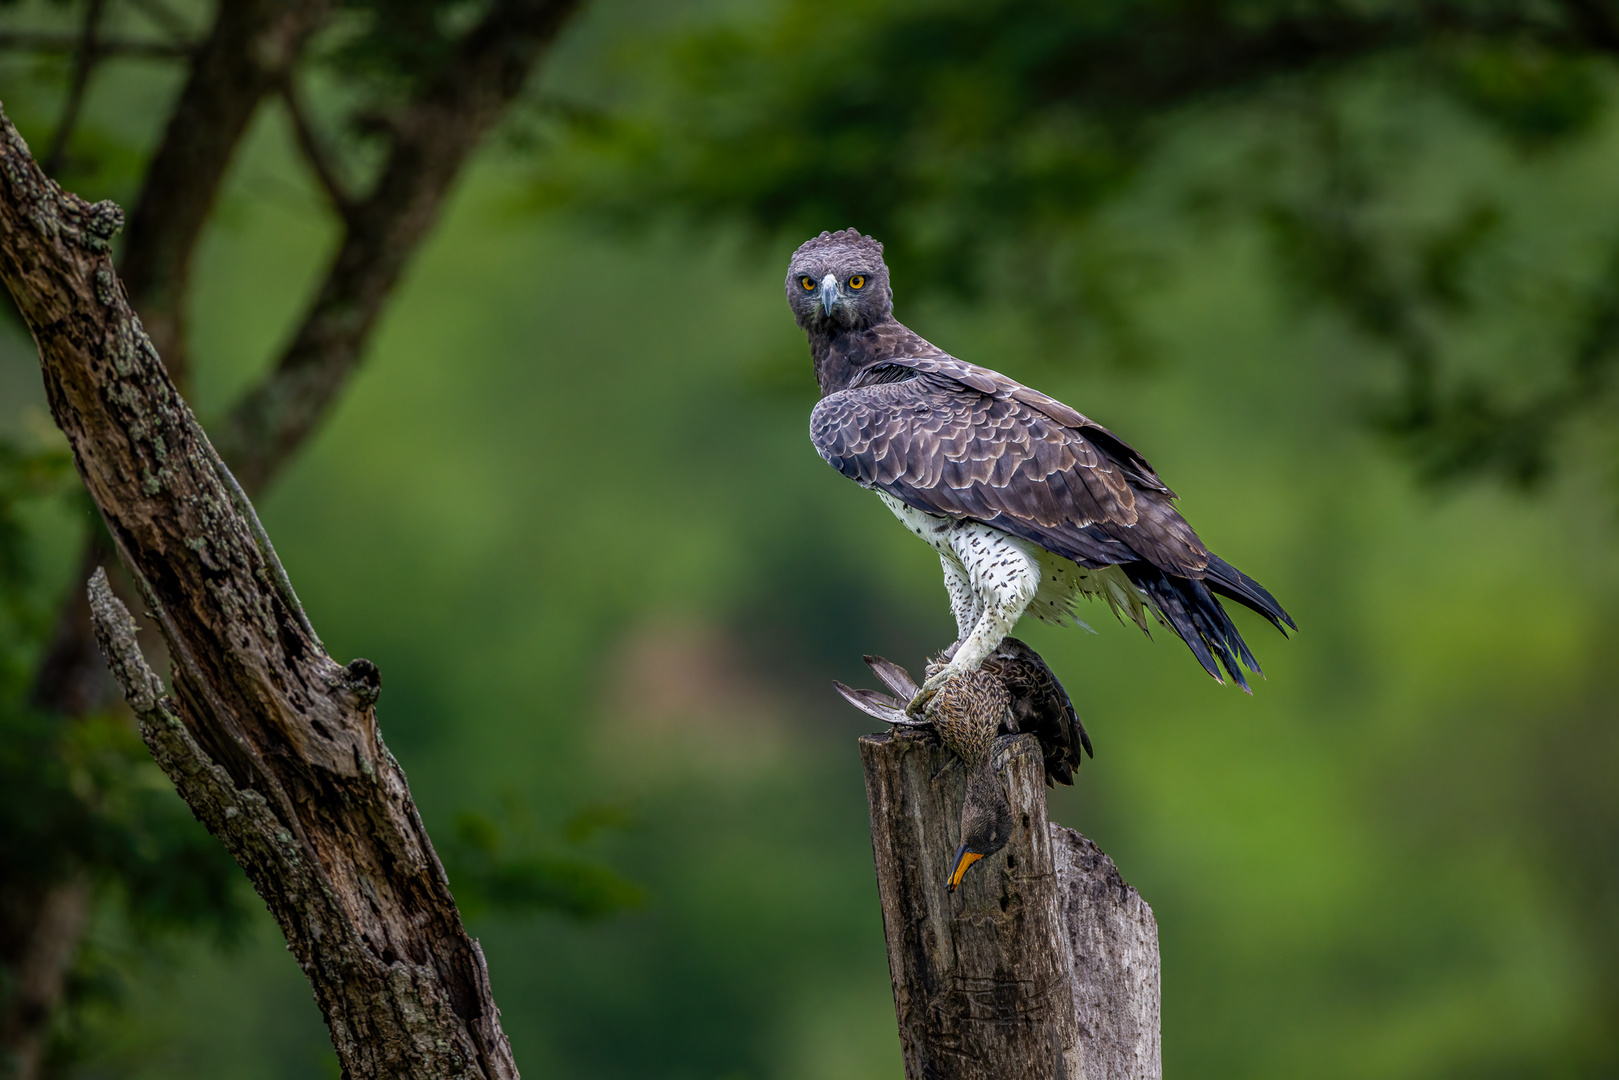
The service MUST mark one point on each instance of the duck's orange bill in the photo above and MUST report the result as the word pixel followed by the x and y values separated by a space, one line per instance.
pixel 964 859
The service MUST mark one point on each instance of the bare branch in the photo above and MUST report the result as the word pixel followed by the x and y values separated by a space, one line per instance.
pixel 274 744
pixel 106 48
pixel 166 19
pixel 314 152
pixel 85 57
pixel 433 137
pixel 249 50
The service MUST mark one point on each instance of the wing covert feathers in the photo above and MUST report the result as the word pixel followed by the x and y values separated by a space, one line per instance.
pixel 964 442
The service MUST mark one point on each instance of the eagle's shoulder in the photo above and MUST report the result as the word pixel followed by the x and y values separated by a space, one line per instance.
pixel 884 428
pixel 950 441
pixel 946 368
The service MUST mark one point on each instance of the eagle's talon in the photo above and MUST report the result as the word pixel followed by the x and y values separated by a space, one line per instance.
pixel 919 704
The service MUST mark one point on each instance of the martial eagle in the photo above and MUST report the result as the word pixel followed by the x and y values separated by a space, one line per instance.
pixel 1030 504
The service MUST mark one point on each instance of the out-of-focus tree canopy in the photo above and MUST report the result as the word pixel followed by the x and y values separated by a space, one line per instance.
pixel 988 145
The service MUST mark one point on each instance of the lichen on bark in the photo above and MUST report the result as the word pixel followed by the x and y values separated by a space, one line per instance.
pixel 273 744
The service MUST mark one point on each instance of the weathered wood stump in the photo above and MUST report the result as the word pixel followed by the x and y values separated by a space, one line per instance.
pixel 1113 952
pixel 1041 965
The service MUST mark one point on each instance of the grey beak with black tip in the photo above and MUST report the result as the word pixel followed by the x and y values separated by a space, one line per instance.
pixel 829 293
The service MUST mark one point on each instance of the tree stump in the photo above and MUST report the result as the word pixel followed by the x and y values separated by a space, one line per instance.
pixel 1043 965
pixel 1113 951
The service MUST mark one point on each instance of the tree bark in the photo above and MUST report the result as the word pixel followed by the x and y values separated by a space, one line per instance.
pixel 246 55
pixel 274 745
pixel 981 976
pixel 1113 950
pixel 1043 964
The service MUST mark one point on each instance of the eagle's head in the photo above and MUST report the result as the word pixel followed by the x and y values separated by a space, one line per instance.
pixel 838 281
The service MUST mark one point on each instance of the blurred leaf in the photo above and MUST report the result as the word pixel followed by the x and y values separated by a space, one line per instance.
pixel 488 874
pixel 1534 94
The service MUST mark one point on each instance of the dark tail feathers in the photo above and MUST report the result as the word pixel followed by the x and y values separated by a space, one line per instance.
pixel 1190 608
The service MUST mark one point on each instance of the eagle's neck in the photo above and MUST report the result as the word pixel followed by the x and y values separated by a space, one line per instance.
pixel 842 354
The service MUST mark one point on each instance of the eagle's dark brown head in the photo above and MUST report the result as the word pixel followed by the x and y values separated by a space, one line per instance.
pixel 838 281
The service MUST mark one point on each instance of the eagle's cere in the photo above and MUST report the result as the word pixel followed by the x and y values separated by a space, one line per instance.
pixel 1030 505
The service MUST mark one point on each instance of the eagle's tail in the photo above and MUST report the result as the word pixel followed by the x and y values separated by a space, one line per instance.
pixel 1190 607
pixel 1233 584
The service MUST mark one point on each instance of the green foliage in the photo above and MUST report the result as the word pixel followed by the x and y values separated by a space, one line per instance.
pixel 25 476
pixel 87 797
pixel 1536 95
pixel 991 146
pixel 385 48
pixel 500 865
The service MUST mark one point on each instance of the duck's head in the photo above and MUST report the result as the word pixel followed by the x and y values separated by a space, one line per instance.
pixel 986 821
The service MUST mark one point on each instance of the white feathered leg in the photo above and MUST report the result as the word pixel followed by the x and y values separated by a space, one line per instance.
pixel 964 602
pixel 1004 577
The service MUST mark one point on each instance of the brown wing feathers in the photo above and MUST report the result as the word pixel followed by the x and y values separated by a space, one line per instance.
pixel 950 438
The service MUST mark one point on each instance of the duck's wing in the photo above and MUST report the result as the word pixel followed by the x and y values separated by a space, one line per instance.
pixel 1041 707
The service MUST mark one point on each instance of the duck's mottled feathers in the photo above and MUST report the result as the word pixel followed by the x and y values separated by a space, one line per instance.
pixel 1039 706
pixel 968 712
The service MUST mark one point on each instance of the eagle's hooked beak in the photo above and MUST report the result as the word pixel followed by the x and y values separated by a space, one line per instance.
pixel 964 859
pixel 829 294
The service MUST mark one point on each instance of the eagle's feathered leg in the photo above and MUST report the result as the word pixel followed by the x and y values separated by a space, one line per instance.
pixel 964 602
pixel 1004 577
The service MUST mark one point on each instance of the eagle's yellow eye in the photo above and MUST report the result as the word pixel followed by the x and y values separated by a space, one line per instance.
pixel 858 281
pixel 807 283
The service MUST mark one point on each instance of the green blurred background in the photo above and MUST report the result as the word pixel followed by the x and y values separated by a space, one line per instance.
pixel 570 509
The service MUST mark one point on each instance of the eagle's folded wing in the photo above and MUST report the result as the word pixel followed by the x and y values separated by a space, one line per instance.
pixel 956 440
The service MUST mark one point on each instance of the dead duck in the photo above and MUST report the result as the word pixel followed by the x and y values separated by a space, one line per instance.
pixel 1013 692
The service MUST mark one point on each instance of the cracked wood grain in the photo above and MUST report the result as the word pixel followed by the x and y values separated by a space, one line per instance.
pixel 273 743
pixel 1043 965
pixel 1113 950
pixel 981 977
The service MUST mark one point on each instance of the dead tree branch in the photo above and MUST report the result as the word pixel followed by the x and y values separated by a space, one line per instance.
pixel 273 743
pixel 248 54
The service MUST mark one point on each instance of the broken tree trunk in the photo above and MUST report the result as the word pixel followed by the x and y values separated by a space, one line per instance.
pixel 1043 965
pixel 1113 951
pixel 274 744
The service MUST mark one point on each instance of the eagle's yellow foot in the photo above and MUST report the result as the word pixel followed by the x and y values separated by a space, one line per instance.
pixel 918 707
